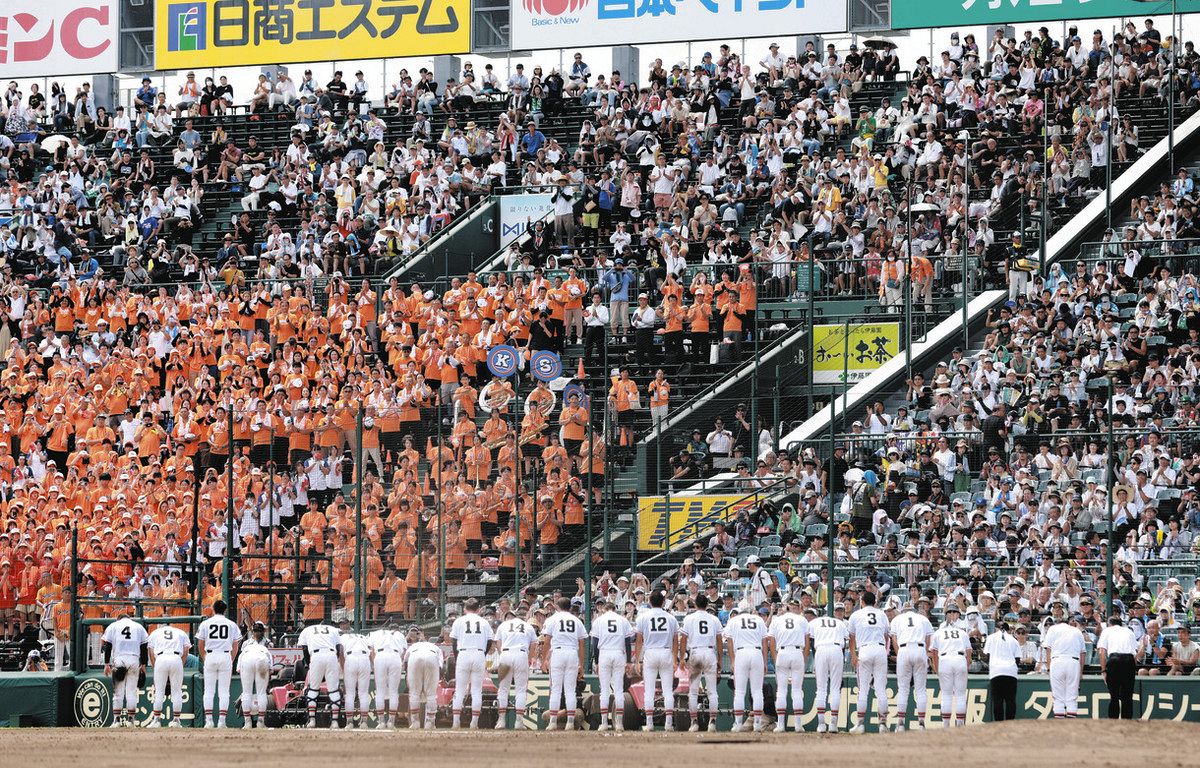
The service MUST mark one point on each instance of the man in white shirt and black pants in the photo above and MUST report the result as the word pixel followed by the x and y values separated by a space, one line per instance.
pixel 1116 647
pixel 564 212
pixel 644 320
pixel 1002 650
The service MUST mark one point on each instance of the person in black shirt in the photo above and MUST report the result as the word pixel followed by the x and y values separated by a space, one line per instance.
pixel 337 88
pixel 995 429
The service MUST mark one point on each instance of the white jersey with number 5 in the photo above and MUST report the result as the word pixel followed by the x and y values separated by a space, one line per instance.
pixel 472 632
pixel 319 637
pixel 565 630
pixel 611 630
pixel 657 628
pixel 126 637
pixel 746 630
pixel 218 633
pixel 701 629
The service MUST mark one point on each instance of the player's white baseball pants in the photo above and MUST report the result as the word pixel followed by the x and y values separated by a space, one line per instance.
pixel 827 666
pixel 1064 685
pixel 702 665
pixel 422 684
pixel 218 671
pixel 789 677
pixel 468 672
pixel 322 667
pixel 658 666
pixel 517 662
pixel 912 673
pixel 952 680
pixel 748 670
pixel 254 670
pixel 125 693
pixel 358 682
pixel 872 673
pixel 564 668
pixel 168 672
pixel 388 672
pixel 611 671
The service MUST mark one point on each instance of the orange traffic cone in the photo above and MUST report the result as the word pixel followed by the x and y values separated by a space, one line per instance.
pixel 580 373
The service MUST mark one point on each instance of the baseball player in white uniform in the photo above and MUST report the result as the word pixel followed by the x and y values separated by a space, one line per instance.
pixel 911 633
pixel 125 645
pixel 356 671
pixel 168 647
pixel 424 666
pixel 699 637
pixel 789 639
pixel 612 636
pixel 517 640
pixel 217 638
pixel 254 670
pixel 563 650
pixel 1065 650
pixel 829 634
pixel 387 647
pixel 950 650
pixel 322 646
pixel 472 636
pixel 745 636
pixel 869 656
pixel 656 633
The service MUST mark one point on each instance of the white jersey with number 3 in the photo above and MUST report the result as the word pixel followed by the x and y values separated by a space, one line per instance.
pixel 869 626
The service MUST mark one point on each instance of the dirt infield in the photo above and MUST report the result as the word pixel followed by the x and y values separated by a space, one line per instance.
pixel 1082 743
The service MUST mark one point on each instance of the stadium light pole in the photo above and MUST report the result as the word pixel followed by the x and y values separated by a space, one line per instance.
pixel 966 293
pixel 1110 467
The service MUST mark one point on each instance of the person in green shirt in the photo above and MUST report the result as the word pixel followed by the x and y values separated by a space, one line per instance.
pixel 864 130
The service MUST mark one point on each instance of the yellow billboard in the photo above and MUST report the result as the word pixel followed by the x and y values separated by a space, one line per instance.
pixel 870 346
pixel 664 525
pixel 227 33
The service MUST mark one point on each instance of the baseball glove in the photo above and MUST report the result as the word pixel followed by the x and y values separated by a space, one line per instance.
pixel 503 670
pixel 119 674
pixel 301 673
pixel 141 678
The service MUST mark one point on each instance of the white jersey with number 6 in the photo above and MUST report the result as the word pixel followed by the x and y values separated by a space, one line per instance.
pixel 701 629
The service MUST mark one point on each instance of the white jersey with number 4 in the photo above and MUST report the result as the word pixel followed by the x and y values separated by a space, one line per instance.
pixel 472 632
pixel 911 628
pixel 565 630
pixel 319 637
pixel 869 626
pixel 746 630
pixel 701 629
pixel 790 630
pixel 218 633
pixel 126 637
pixel 657 628
pixel 516 635
pixel 611 630
pixel 169 640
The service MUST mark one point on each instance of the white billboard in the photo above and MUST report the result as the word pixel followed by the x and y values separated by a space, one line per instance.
pixel 518 211
pixel 584 23
pixel 52 38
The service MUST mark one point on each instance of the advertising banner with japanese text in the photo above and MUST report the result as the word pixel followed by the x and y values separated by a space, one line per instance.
pixel 52 38
pixel 519 212
pixel 227 33
pixel 915 14
pixel 870 345
pixel 668 521
pixel 567 23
